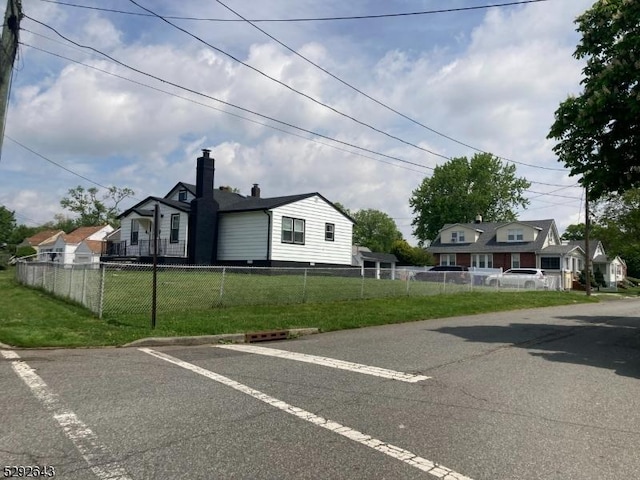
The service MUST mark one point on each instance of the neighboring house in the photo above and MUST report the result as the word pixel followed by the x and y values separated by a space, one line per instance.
pixel 200 225
pixel 613 269
pixel 81 246
pixel 44 237
pixel 365 258
pixel 505 245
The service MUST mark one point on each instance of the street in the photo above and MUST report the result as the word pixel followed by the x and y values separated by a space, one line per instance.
pixel 532 394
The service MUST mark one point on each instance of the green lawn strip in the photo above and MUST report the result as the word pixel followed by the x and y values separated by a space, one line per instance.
pixel 31 318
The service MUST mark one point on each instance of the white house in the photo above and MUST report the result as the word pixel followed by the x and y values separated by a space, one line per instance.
pixel 613 269
pixel 81 246
pixel 198 224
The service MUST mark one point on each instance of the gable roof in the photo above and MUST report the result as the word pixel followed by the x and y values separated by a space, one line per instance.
pixel 487 242
pixel 43 236
pixel 227 201
pixel 81 233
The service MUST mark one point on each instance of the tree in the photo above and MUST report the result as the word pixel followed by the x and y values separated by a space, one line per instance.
pixel 461 189
pixel 93 211
pixel 598 132
pixel 574 232
pixel 375 230
pixel 7 224
pixel 408 255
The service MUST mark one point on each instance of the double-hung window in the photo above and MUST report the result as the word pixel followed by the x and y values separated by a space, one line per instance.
pixel 515 235
pixel 457 237
pixel 447 259
pixel 182 195
pixel 292 230
pixel 329 232
pixel 482 260
pixel 135 227
pixel 174 233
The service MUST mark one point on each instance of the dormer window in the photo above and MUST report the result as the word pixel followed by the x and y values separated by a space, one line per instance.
pixel 457 237
pixel 182 195
pixel 515 235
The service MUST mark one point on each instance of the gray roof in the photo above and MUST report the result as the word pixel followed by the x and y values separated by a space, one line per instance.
pixel 560 249
pixel 487 239
pixel 227 202
pixel 378 257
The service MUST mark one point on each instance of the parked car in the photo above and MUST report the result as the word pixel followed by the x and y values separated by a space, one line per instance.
pixel 529 278
pixel 446 274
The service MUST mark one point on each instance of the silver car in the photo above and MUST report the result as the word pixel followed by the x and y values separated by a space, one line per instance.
pixel 529 278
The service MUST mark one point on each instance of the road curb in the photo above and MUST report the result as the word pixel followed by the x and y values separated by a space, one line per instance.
pixel 209 339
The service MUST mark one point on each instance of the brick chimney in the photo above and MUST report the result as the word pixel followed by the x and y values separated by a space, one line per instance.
pixel 203 218
pixel 255 191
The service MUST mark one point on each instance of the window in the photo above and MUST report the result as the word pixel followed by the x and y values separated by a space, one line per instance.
pixel 482 260
pixel 175 228
pixel 457 237
pixel 515 260
pixel 329 232
pixel 182 195
pixel 135 226
pixel 550 263
pixel 292 230
pixel 515 235
pixel 447 259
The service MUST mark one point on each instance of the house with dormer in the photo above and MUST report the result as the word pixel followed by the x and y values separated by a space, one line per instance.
pixel 198 224
pixel 505 245
pixel 613 268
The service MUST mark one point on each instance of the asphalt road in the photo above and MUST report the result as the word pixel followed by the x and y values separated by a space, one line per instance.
pixel 534 394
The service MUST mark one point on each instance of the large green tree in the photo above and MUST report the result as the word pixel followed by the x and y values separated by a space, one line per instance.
pixel 7 224
pixel 598 131
pixel 375 230
pixel 93 210
pixel 461 189
pixel 408 255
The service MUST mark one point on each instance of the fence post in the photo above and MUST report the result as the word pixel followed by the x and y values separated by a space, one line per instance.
pixel 55 275
pixel 304 287
pixel 101 290
pixel 71 282
pixel 362 284
pixel 407 280
pixel 84 287
pixel 224 270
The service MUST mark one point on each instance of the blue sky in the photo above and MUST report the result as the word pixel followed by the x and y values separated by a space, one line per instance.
pixel 489 78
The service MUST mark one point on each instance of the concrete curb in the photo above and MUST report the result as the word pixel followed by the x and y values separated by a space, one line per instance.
pixel 209 339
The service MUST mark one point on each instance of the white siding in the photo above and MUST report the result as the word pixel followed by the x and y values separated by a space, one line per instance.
pixel 145 230
pixel 243 236
pixel 316 212
pixel 174 194
pixel 470 235
pixel 529 233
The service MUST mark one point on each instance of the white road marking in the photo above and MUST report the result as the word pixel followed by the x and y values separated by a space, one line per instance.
pixel 328 362
pixel 398 453
pixel 97 456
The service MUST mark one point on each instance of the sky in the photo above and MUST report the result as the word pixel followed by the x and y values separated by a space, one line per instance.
pixel 489 79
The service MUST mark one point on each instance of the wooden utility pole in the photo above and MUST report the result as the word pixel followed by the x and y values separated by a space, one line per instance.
pixel 587 250
pixel 8 51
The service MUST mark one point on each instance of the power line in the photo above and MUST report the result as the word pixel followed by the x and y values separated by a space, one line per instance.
pixel 241 108
pixel 289 87
pixel 195 92
pixel 378 102
pixel 314 19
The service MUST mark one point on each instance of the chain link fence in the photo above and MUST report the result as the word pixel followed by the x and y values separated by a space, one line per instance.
pixel 117 288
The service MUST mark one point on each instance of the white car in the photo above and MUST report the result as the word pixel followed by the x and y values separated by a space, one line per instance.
pixel 529 278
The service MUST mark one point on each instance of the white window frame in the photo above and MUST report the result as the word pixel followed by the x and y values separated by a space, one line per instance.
pixel 515 260
pixel 174 230
pixel 445 259
pixel 482 260
pixel 182 195
pixel 329 232
pixel 134 238
pixel 515 235
pixel 457 236
pixel 293 230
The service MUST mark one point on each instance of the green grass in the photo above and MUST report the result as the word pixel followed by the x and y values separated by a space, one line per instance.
pixel 32 318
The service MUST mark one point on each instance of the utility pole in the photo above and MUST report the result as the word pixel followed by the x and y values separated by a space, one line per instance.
pixel 587 250
pixel 8 51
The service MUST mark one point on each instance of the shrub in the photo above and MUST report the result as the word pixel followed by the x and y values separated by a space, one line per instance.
pixel 25 251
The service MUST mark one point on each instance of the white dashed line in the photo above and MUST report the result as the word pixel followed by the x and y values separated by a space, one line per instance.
pixel 398 453
pixel 97 456
pixel 328 362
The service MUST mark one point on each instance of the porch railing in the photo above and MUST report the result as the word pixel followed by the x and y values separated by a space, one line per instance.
pixel 144 248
